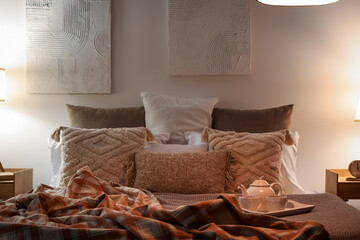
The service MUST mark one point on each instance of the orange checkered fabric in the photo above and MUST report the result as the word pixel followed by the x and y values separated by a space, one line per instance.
pixel 91 208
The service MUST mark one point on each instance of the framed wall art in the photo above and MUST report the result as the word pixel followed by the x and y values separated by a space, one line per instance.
pixel 209 37
pixel 68 46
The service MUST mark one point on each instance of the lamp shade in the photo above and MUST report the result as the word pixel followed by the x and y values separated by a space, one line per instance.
pixel 357 115
pixel 2 85
pixel 297 2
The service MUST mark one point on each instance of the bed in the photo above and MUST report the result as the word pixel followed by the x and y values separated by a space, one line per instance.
pixel 170 170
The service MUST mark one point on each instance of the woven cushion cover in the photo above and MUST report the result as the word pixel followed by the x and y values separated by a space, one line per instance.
pixel 256 154
pixel 105 151
pixel 195 172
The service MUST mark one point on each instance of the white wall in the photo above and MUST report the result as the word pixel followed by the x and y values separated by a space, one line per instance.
pixel 308 56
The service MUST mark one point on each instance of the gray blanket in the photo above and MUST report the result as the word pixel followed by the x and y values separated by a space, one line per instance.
pixel 341 220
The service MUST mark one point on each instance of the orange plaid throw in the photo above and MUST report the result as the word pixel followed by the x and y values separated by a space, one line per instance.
pixel 91 208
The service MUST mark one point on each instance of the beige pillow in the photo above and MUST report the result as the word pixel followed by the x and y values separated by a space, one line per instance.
pixel 177 115
pixel 188 173
pixel 103 150
pixel 256 154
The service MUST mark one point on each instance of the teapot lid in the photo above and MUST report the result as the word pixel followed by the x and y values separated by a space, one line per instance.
pixel 260 183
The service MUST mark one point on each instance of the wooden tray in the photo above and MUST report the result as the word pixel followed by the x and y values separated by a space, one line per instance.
pixel 292 208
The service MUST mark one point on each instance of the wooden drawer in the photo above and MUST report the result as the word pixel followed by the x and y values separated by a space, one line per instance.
pixel 6 189
pixel 349 190
pixel 337 183
pixel 20 182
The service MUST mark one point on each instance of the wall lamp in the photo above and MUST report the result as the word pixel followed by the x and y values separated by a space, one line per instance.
pixel 357 115
pixel 2 85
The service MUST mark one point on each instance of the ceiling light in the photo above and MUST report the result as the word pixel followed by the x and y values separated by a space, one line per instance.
pixel 297 2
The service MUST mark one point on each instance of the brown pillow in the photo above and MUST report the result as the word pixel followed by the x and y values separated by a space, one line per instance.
pixel 188 173
pixel 105 151
pixel 254 121
pixel 88 117
pixel 256 154
pixel 265 120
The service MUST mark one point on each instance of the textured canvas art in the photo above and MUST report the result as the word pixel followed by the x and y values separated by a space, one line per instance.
pixel 68 46
pixel 209 37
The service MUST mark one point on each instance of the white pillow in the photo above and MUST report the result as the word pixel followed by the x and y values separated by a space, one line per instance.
pixel 176 115
pixel 161 137
pixel 290 183
pixel 55 160
pixel 174 148
pixel 193 138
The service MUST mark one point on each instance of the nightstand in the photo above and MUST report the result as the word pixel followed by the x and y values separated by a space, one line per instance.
pixel 20 181
pixel 337 184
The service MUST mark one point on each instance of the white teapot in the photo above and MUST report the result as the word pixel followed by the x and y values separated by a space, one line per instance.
pixel 262 189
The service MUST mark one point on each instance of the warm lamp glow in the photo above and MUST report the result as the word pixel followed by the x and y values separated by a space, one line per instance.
pixel 297 2
pixel 2 85
pixel 357 115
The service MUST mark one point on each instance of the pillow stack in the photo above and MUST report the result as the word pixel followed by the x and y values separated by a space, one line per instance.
pixel 180 145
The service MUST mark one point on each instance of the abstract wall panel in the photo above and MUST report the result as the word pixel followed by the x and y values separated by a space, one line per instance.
pixel 209 37
pixel 68 46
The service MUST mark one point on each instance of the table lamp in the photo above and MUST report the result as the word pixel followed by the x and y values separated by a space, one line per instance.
pixel 297 2
pixel 2 85
pixel 354 166
pixel 357 115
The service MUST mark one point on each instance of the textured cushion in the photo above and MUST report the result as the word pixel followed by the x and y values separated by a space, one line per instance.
pixel 88 117
pixel 207 172
pixel 253 121
pixel 105 151
pixel 256 154
pixel 176 115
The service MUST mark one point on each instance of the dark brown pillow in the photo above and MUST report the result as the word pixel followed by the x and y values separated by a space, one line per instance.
pixel 225 119
pixel 253 121
pixel 88 117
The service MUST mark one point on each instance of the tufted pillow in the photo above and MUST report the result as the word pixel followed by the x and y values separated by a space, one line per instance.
pixel 188 173
pixel 105 151
pixel 256 154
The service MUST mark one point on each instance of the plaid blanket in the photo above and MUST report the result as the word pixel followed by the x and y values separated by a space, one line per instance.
pixel 91 208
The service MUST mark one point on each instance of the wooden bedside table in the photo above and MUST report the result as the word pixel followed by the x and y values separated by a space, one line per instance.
pixel 337 184
pixel 21 181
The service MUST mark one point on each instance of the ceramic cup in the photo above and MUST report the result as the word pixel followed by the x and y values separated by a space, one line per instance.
pixel 250 202
pixel 276 203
